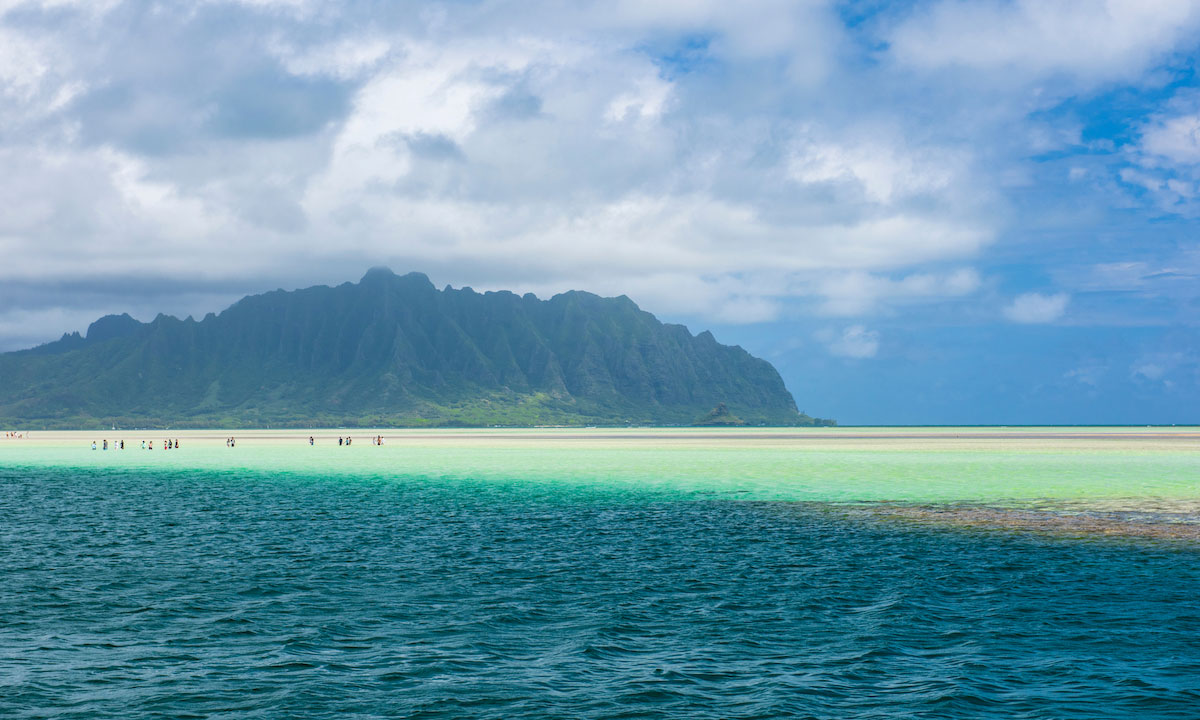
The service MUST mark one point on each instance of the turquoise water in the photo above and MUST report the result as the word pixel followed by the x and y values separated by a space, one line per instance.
pixel 688 585
pixel 727 464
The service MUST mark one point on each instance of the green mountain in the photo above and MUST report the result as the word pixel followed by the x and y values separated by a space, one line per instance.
pixel 391 351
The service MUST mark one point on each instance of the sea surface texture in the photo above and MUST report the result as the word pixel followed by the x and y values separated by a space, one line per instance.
pixel 129 590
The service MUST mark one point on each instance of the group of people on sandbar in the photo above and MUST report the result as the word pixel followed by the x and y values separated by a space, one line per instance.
pixel 13 435
pixel 377 440
pixel 170 444
pixel 230 442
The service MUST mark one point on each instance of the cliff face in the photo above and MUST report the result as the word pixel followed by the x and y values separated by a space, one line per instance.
pixel 392 350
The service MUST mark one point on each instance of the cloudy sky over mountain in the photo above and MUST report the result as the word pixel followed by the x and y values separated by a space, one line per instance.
pixel 931 212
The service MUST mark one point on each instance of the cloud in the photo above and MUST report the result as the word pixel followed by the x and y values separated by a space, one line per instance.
pixel 1087 41
pixel 742 163
pixel 1175 138
pixel 1090 375
pixel 492 159
pixel 1170 368
pixel 345 58
pixel 92 6
pixel 1164 162
pixel 1035 307
pixel 1149 370
pixel 855 341
pixel 882 171
pixel 21 328
pixel 859 293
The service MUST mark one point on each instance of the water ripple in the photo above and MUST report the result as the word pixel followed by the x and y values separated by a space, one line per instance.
pixel 193 595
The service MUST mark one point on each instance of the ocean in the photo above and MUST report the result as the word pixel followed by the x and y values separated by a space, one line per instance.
pixel 602 574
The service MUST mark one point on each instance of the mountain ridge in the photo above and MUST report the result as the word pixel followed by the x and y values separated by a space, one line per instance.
pixel 392 350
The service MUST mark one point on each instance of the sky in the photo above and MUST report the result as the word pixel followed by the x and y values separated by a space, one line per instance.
pixel 922 212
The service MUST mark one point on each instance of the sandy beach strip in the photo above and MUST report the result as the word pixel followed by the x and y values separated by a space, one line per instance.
pixel 1034 439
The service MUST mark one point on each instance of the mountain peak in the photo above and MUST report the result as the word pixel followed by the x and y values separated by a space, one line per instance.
pixel 379 272
pixel 112 326
pixel 380 275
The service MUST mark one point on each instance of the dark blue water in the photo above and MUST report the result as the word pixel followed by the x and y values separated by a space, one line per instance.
pixel 226 596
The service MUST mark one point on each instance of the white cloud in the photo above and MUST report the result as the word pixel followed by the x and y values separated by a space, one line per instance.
pixel 646 102
pixel 1149 370
pixel 1090 375
pixel 1142 179
pixel 1165 367
pixel 22 65
pixel 548 193
pixel 855 341
pixel 1165 161
pixel 1174 138
pixel 882 171
pixel 345 58
pixel 859 293
pixel 1035 307
pixel 1090 41
pixel 91 6
pixel 301 7
pixel 807 33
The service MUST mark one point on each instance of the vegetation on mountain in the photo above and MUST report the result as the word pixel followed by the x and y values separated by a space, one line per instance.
pixel 391 351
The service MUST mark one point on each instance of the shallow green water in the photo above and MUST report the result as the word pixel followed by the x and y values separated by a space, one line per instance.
pixel 1020 472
